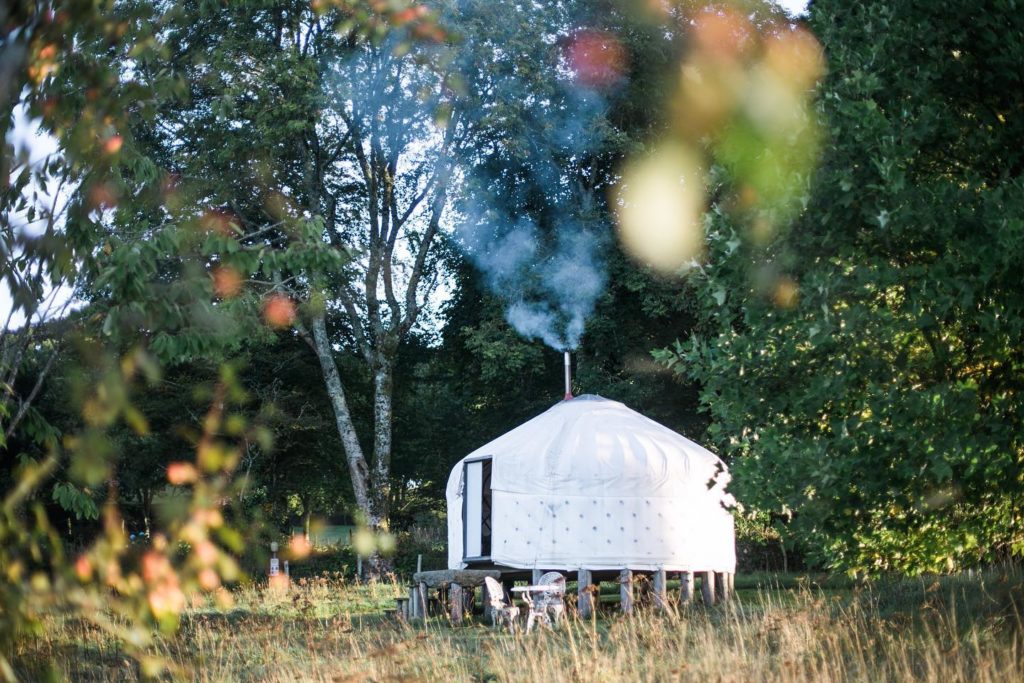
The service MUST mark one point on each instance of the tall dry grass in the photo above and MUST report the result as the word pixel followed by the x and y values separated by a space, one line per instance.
pixel 953 629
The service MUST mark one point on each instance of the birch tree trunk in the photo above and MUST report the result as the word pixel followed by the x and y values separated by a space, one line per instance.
pixel 403 165
pixel 357 467
pixel 380 489
pixel 380 471
pixel 371 485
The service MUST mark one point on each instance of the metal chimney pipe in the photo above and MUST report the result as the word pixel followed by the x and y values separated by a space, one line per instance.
pixel 568 377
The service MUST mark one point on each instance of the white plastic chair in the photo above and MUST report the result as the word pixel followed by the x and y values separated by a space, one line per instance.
pixel 501 612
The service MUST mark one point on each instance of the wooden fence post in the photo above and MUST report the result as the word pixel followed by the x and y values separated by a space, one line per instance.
pixel 626 591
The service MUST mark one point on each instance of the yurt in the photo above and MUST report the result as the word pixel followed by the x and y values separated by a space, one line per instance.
pixel 591 485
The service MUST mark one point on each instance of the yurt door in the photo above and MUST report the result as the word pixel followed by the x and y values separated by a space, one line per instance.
pixel 476 509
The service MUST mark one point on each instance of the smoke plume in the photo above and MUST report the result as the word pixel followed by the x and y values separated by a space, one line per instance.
pixel 529 221
pixel 550 283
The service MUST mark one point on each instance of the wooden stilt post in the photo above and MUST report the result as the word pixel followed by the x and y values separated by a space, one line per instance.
pixel 506 588
pixel 401 610
pixel 424 605
pixel 725 590
pixel 731 582
pixel 414 603
pixel 626 591
pixel 707 588
pixel 585 600
pixel 456 604
pixel 660 590
pixel 685 588
pixel 485 600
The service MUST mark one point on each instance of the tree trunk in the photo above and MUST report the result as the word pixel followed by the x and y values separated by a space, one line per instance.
pixel 380 492
pixel 370 486
pixel 357 469
pixel 380 473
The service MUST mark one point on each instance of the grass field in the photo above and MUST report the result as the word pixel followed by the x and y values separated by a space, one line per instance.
pixel 779 628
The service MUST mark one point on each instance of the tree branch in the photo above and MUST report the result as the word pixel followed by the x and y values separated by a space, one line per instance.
pixel 411 304
pixel 349 304
pixel 27 401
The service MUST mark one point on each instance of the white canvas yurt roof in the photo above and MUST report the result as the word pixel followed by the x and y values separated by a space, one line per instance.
pixel 592 484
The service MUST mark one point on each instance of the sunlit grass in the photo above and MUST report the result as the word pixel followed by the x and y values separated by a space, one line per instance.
pixel 327 629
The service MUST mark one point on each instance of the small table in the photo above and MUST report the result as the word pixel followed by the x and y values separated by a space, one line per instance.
pixel 540 588
pixel 541 598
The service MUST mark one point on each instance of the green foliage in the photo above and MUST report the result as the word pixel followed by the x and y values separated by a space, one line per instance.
pixel 185 314
pixel 161 260
pixel 305 466
pixel 302 189
pixel 863 370
pixel 131 593
pixel 337 561
pixel 75 500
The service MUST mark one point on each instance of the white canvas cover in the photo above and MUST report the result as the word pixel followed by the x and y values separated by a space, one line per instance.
pixel 591 484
